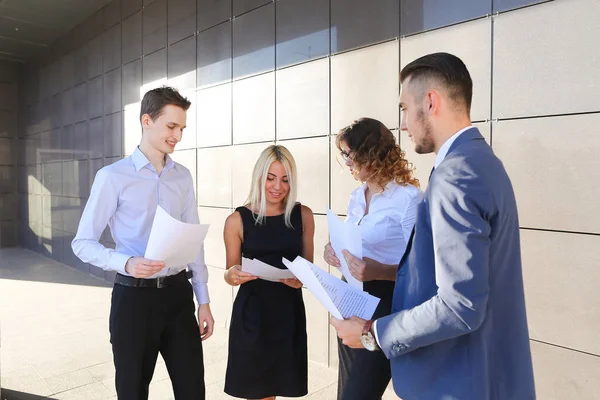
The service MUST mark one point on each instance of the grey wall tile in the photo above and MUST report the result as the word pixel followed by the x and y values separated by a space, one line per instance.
pixel 181 64
pixel 181 19
pixel 91 27
pixel 8 179
pixel 422 15
pixel 55 107
pixel 506 5
pixel 254 109
pixel 214 55
pixel 155 26
pixel 365 82
pixel 131 40
pixel 80 99
pixel 302 31
pixel 212 12
pixel 132 82
pixel 68 107
pixel 95 95
pixel 111 14
pixel 7 155
pixel 9 231
pixel 113 135
pixel 67 71
pixel 54 75
pixel 129 7
pixel 9 205
pixel 378 21
pixel 538 155
pixel 80 70
pixel 254 42
pixel 112 48
pixel 155 67
pixel 96 138
pixel 534 46
pixel 562 373
pixel 9 95
pixel 52 178
pixel 112 91
pixel 567 258
pixel 214 116
pixel 214 177
pixel 81 137
pixel 94 56
pixel 53 152
pixel 242 6
pixel 69 180
pixel 302 100
pixel 67 143
pixel 8 124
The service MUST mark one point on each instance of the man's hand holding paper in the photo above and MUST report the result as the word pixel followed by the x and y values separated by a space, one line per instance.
pixel 173 242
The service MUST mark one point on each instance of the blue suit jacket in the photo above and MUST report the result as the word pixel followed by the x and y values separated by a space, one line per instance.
pixel 458 328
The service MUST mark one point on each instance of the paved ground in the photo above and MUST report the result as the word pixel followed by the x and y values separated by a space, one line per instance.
pixel 55 344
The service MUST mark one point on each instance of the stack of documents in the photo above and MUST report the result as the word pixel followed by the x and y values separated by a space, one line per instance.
pixel 338 297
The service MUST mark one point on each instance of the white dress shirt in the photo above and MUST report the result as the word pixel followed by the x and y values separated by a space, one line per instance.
pixel 387 226
pixel 125 196
pixel 443 151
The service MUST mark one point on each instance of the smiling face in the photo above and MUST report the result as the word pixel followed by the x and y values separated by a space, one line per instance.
pixel 277 184
pixel 166 130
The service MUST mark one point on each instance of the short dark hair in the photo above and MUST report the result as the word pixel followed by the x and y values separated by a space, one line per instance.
pixel 155 100
pixel 446 69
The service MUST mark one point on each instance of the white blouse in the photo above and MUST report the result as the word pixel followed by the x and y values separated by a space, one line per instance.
pixel 387 227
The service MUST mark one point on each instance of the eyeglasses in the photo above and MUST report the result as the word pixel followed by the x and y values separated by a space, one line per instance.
pixel 346 156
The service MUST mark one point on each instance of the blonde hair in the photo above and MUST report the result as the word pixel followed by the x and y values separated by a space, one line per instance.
pixel 256 199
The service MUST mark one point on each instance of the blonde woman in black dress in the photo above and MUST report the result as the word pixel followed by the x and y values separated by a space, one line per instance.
pixel 267 336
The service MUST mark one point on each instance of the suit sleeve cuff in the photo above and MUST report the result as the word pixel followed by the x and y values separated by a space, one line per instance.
pixel 118 262
pixel 376 334
pixel 201 292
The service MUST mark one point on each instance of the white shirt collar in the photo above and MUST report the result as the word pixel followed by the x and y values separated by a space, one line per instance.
pixel 446 146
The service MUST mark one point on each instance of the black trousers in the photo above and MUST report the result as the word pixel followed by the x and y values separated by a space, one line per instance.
pixel 363 374
pixel 146 321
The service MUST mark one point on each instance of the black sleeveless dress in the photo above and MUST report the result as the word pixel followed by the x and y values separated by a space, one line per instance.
pixel 267 336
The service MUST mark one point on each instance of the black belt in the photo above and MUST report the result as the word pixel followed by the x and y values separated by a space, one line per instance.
pixel 160 282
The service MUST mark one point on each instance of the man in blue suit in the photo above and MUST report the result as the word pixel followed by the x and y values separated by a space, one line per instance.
pixel 458 328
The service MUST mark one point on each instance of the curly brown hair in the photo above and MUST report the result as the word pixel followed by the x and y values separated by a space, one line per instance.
pixel 373 147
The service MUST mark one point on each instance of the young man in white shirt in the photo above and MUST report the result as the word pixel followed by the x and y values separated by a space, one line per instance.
pixel 152 306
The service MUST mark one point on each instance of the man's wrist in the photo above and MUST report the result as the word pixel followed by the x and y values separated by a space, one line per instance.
pixel 125 268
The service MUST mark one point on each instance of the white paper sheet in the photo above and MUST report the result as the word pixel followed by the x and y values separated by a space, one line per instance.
pixel 345 236
pixel 174 242
pixel 265 271
pixel 339 298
